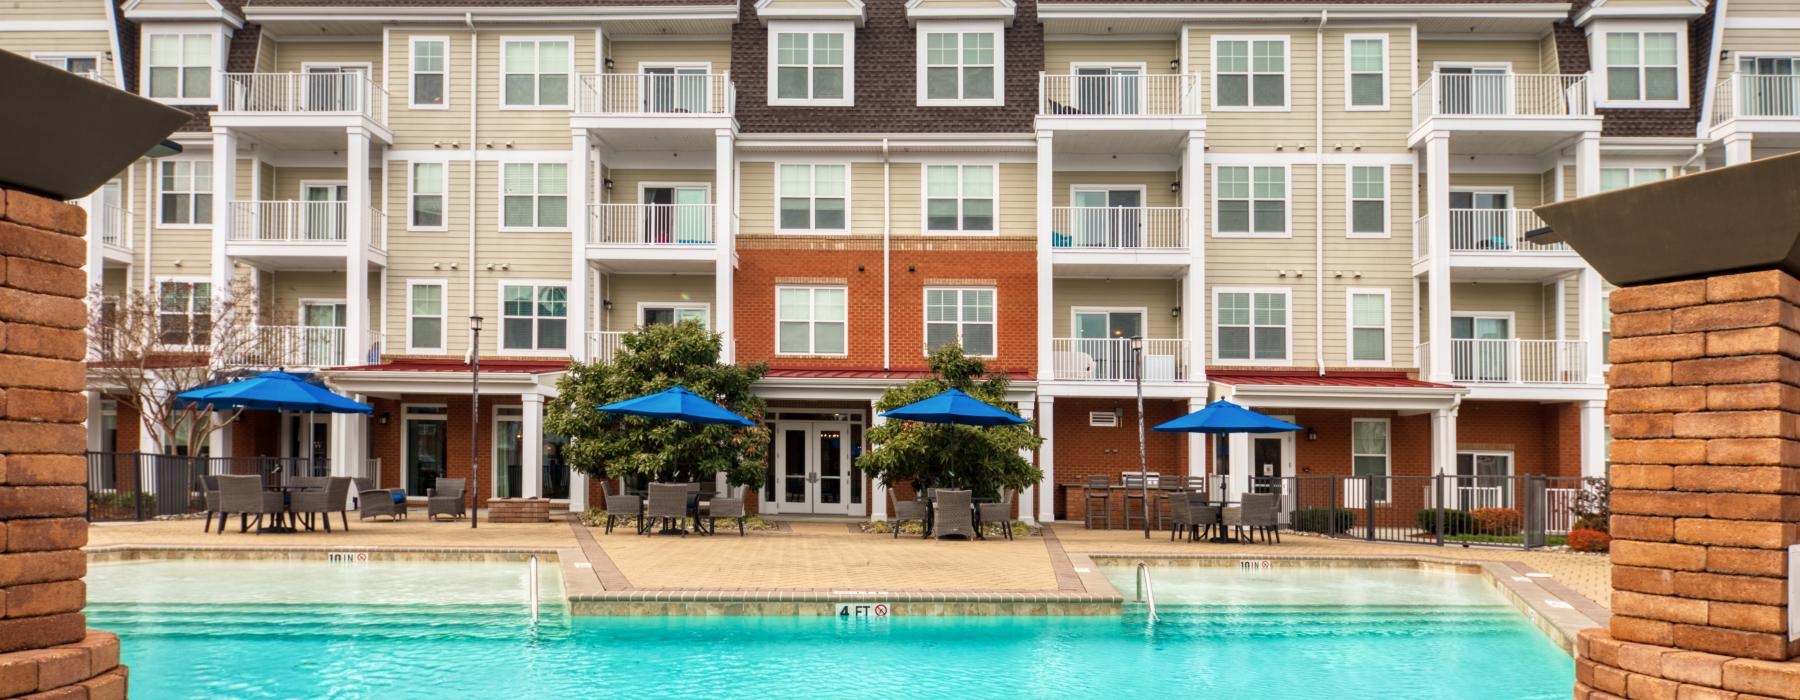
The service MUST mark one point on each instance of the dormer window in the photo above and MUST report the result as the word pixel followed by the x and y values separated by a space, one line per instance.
pixel 960 63
pixel 180 66
pixel 811 64
pixel 1644 64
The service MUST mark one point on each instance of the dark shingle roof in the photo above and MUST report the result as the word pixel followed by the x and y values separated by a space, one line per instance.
pixel 1572 57
pixel 477 3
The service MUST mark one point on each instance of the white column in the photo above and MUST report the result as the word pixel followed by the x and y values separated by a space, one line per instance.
pixel 96 249
pixel 1046 278
pixel 1737 149
pixel 1193 296
pixel 1026 499
pixel 1443 441
pixel 218 444
pixel 724 269
pixel 95 400
pixel 578 491
pixel 356 238
pixel 1046 492
pixel 344 446
pixel 1587 164
pixel 1588 301
pixel 1593 439
pixel 580 184
pixel 1437 189
pixel 878 493
pixel 1196 442
pixel 532 470
pixel 1239 479
pixel 224 172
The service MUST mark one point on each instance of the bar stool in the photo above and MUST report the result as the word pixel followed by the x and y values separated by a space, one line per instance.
pixel 1134 493
pixel 1099 492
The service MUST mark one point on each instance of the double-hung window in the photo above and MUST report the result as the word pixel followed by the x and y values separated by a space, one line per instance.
pixel 181 66
pixel 959 64
pixel 1368 201
pixel 1250 73
pixel 810 320
pixel 812 63
pixel 960 315
pixel 1643 66
pixel 959 198
pixel 1620 178
pixel 430 73
pixel 1368 327
pixel 425 315
pixel 187 193
pixel 1365 62
pixel 1250 200
pixel 1250 326
pixel 184 313
pixel 87 65
pixel 535 195
pixel 426 192
pixel 1369 455
pixel 536 72
pixel 534 316
pixel 812 197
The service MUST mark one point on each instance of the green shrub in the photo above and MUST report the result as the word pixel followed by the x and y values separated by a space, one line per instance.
pixel 1456 522
pixel 1327 521
pixel 121 500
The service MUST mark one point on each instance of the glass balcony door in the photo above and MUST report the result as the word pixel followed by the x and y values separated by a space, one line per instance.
pixel 1108 218
pixel 1471 90
pixel 675 89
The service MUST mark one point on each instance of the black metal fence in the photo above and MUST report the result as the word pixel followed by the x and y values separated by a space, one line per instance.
pixel 1500 510
pixel 143 486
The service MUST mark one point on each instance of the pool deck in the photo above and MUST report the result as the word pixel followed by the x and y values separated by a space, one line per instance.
pixel 791 570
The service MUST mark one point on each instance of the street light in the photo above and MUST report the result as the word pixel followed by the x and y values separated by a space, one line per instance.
pixel 1137 353
pixel 474 422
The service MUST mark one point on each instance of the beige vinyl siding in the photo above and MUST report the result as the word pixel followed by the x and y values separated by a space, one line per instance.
pixel 246 173
pixel 1757 8
pixel 1018 200
pixel 1569 188
pixel 524 128
pixel 1371 129
pixel 29 44
pixel 57 10
pixel 627 291
pixel 906 191
pixel 294 56
pixel 287 181
pixel 1525 188
pixel 628 56
pixel 1154 184
pixel 1258 131
pixel 1571 307
pixel 1524 56
pixel 756 198
pixel 1017 206
pixel 1364 263
pixel 435 128
pixel 1763 41
pixel 1549 60
pixel 286 289
pixel 865 196
pixel 267 182
pixel 413 255
pixel 1523 300
pixel 1157 297
pixel 195 6
pixel 536 256
pixel 1258 262
pixel 1154 55
pixel 267 52
pixel 112 283
pixel 627 182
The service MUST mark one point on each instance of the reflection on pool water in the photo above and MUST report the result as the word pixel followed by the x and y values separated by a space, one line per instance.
pixel 429 629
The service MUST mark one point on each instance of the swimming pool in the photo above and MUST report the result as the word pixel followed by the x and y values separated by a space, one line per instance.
pixel 426 629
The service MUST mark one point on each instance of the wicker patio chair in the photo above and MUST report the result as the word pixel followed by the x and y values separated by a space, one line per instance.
pixel 445 498
pixel 209 489
pixel 953 515
pixel 245 496
pixel 911 509
pixel 1000 512
pixel 622 505
pixel 1099 492
pixel 722 508
pixel 668 503
pixel 309 483
pixel 372 501
pixel 1261 514
pixel 334 498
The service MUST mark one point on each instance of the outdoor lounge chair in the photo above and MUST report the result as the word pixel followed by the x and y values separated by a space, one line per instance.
pixel 334 498
pixel 668 503
pixel 1099 493
pixel 371 501
pixel 245 496
pixel 1257 513
pixel 910 509
pixel 209 491
pixel 999 512
pixel 445 498
pixel 953 514
pixel 622 505
pixel 720 507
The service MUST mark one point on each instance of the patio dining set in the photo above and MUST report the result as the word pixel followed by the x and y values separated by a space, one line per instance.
pixel 305 502
pixel 953 513
pixel 672 505
pixel 1182 506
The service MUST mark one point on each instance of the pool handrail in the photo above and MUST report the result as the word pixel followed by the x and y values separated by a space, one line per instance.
pixel 1146 589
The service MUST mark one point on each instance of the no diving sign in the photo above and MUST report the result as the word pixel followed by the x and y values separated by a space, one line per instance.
pixel 862 611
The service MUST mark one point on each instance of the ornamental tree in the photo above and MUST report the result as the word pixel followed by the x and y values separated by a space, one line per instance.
pixel 655 358
pixel 932 455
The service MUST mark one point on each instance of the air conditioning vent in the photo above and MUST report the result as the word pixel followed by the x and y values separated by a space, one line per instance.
pixel 1103 419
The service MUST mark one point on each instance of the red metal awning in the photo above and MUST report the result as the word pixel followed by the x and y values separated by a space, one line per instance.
pixel 1372 380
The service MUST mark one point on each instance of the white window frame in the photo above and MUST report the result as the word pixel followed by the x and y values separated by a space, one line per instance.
pixel 45 57
pixel 1387 326
pixel 443 316
pixel 812 197
pixel 1287 223
pixel 1287 73
pixel 960 322
pixel 412 192
pixel 412 72
pixel 500 312
pixel 536 92
pixel 1598 59
pixel 159 192
pixel 1387 458
pixel 1386 85
pixel 845 28
pixel 216 80
pixel 925 199
pixel 536 176
pixel 638 320
pixel 994 27
pixel 191 312
pixel 1387 202
pixel 1631 174
pixel 1287 337
pixel 811 321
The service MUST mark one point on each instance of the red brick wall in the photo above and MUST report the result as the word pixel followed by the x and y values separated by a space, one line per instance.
pixel 1083 451
pixel 1544 438
pixel 387 438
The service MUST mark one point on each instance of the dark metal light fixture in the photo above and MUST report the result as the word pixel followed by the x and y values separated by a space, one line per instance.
pixel 474 422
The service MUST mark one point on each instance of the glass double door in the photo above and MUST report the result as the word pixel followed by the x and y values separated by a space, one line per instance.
pixel 813 469
pixel 1768 87
pixel 1108 218
pixel 1472 90
pixel 1105 337
pixel 676 90
pixel 676 214
pixel 1481 352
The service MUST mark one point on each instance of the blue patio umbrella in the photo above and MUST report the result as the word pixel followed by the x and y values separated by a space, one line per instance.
pixel 956 408
pixel 273 391
pixel 677 404
pixel 1222 417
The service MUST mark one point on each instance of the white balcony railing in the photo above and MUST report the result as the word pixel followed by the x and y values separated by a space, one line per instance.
pixel 1118 228
pixel 1496 231
pixel 604 346
pixel 651 224
pixel 302 346
pixel 304 93
pixel 656 93
pixel 1112 360
pixel 1513 361
pixel 1422 236
pixel 1744 95
pixel 301 222
pixel 1119 95
pixel 115 225
pixel 1507 95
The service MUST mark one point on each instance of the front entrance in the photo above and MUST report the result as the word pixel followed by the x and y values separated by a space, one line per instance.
pixel 309 438
pixel 1272 466
pixel 813 471
pixel 425 450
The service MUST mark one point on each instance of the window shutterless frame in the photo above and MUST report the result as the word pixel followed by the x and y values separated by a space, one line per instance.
pixel 812 196
pixel 1357 189
pixel 187 60
pixel 1251 72
pixel 537 72
pixel 1352 71
pixel 1252 325
pixel 191 312
pixel 676 307
pixel 536 195
pixel 1601 36
pixel 413 193
pixel 1287 200
pixel 442 315
pixel 962 197
pixel 962 30
pixel 1363 457
pixel 812 320
pixel 1354 323
pixel 199 217
pixel 811 28
pixel 961 297
pixel 417 61
pixel 535 318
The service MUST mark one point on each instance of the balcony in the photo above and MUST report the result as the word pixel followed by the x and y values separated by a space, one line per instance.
pixel 1511 113
pixel 300 346
pixel 1493 238
pixel 1119 113
pixel 1761 104
pixel 663 237
pixel 1112 360
pixel 304 111
pixel 1512 361
pixel 1089 239
pixel 115 225
pixel 605 346
pixel 656 94
pixel 286 234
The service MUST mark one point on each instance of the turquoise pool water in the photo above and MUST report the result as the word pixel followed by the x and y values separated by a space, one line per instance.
pixel 237 629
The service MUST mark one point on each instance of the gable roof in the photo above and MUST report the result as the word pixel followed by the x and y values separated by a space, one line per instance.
pixel 1572 57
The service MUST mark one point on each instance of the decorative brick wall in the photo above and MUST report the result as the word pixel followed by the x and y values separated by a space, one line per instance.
pixel 1705 417
pixel 45 646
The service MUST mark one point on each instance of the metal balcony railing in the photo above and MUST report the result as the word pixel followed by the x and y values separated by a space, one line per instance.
pixel 1513 361
pixel 1504 95
pixel 1113 360
pixel 651 224
pixel 115 225
pixel 1118 228
pixel 291 221
pixel 656 93
pixel 604 346
pixel 1117 95
pixel 1496 231
pixel 304 93
pixel 1744 95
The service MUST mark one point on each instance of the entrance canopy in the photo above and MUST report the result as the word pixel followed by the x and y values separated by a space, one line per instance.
pixel 1375 391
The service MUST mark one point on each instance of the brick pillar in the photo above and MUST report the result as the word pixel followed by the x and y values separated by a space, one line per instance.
pixel 1705 417
pixel 45 646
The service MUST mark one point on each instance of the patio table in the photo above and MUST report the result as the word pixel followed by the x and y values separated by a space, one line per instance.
pixel 285 522
pixel 693 508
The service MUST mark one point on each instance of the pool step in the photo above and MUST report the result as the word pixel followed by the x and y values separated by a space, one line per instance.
pixel 392 621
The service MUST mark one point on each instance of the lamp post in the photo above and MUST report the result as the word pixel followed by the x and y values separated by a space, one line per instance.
pixel 474 422
pixel 1137 360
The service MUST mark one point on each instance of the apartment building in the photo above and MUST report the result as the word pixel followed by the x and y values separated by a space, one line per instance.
pixel 1317 210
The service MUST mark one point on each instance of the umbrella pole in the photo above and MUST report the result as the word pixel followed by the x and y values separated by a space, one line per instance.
pixel 1143 452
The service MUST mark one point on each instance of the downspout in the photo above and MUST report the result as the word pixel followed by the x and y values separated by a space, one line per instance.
pixel 474 61
pixel 887 326
pixel 1699 152
pixel 155 166
pixel 1319 192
